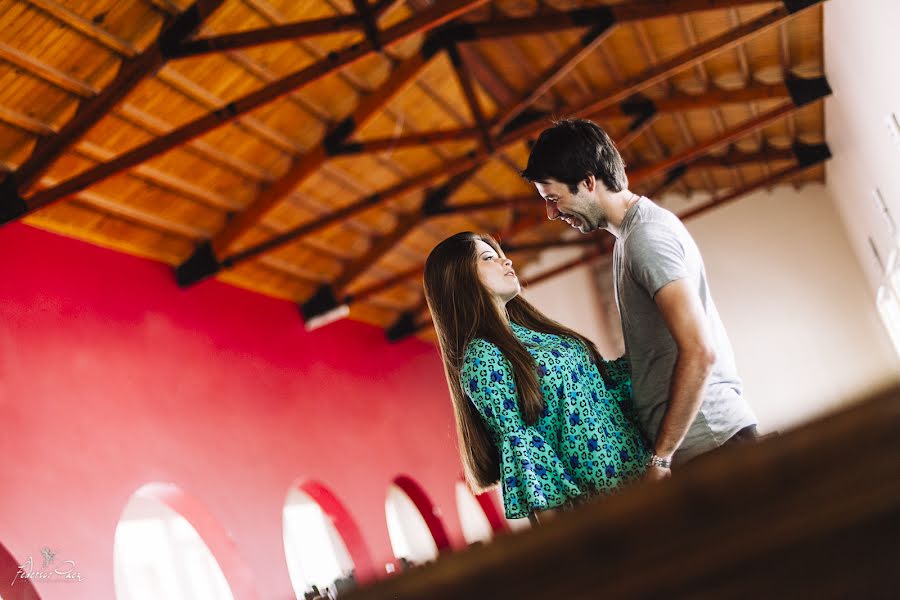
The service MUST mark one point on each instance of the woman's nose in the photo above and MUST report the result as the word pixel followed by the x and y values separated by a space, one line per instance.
pixel 507 262
pixel 552 211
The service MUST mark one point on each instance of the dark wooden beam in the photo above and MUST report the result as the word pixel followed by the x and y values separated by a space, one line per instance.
pixel 408 323
pixel 672 177
pixel 555 72
pixel 386 284
pixel 503 203
pixel 267 35
pixel 306 165
pixel 631 108
pixel 521 132
pixel 131 72
pixel 487 76
pixel 422 22
pixel 690 57
pixel 431 204
pixel 532 246
pixel 550 21
pixel 464 77
pixel 685 157
pixel 575 263
pixel 367 16
pixel 387 144
pixel 371 201
pixel 776 177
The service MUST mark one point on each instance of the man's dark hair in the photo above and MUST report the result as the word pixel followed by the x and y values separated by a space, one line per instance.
pixel 571 150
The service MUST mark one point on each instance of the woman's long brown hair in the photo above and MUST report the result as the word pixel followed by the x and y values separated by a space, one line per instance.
pixel 463 310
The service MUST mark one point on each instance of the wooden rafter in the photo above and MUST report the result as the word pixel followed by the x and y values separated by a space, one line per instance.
pixel 554 73
pixel 690 57
pixel 554 21
pixel 466 83
pixel 809 91
pixel 435 203
pixel 420 23
pixel 636 176
pixel 628 109
pixel 131 72
pixel 308 164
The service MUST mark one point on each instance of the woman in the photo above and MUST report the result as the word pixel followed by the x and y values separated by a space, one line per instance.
pixel 532 409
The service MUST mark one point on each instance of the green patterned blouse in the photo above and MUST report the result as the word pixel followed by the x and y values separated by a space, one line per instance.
pixel 587 440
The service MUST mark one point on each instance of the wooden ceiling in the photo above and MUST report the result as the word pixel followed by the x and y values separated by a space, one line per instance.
pixel 317 150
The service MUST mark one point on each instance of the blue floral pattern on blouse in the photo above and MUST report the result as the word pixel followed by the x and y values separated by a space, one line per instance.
pixel 587 440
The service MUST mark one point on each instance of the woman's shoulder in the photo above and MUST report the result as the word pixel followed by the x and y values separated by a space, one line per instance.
pixel 480 350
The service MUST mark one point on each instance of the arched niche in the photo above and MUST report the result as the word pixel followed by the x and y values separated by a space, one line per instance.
pixel 415 528
pixel 169 545
pixel 478 515
pixel 13 586
pixel 322 542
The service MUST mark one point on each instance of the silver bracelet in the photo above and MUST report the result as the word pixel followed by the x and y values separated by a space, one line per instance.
pixel 658 461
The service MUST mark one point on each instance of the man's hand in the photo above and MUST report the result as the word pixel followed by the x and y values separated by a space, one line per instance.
pixel 657 474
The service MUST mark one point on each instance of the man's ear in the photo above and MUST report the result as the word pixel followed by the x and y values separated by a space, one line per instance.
pixel 589 182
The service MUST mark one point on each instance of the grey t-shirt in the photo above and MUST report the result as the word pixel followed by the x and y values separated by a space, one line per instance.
pixel 654 248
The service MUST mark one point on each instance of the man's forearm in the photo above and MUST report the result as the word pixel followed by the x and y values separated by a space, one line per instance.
pixel 685 397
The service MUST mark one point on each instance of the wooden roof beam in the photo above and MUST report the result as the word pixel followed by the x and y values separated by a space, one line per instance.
pixel 629 108
pixel 207 254
pixel 776 177
pixel 366 14
pixel 532 246
pixel 685 157
pixel 424 21
pixel 464 77
pixel 268 35
pixel 433 201
pixel 132 72
pixel 555 72
pixel 519 131
pixel 690 57
pixel 550 22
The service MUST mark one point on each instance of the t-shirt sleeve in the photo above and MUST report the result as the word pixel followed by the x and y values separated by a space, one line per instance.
pixel 655 257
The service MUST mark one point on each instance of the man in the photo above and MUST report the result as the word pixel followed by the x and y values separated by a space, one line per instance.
pixel 686 389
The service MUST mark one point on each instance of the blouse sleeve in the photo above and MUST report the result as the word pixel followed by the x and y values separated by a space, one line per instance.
pixel 619 371
pixel 532 475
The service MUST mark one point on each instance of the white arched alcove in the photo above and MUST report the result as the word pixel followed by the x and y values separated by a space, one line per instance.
pixel 475 525
pixel 410 537
pixel 158 554
pixel 315 552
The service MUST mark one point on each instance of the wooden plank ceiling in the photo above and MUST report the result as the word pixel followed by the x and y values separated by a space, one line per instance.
pixel 317 150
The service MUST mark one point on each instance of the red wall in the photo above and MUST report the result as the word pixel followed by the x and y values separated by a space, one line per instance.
pixel 112 377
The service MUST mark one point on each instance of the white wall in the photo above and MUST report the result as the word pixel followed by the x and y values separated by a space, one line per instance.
pixel 795 303
pixel 572 298
pixel 862 50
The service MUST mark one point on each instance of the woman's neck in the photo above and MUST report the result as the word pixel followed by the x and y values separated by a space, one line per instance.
pixel 501 310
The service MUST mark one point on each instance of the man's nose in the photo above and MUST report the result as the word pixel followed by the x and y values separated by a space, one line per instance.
pixel 552 211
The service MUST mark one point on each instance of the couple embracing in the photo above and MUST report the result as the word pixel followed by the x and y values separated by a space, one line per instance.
pixel 537 408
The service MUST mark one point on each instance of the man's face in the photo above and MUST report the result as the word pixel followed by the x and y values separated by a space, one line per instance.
pixel 581 210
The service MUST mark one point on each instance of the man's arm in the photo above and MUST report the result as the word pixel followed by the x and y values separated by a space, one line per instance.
pixel 684 316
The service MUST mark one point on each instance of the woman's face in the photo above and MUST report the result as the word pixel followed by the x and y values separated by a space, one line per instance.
pixel 496 273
